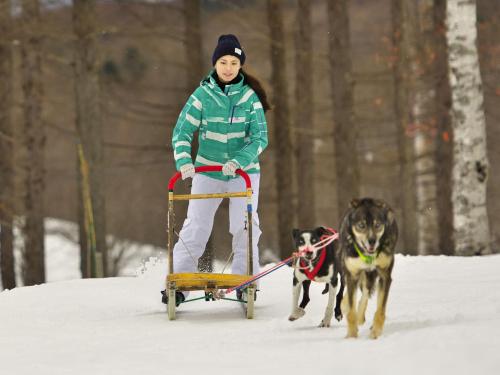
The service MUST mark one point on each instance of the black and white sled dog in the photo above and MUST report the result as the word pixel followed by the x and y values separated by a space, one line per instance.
pixel 368 236
pixel 320 263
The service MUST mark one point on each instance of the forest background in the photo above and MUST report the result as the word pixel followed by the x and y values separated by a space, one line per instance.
pixel 361 99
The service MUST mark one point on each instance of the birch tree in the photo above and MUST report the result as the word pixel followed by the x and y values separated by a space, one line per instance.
pixel 32 145
pixel 470 162
pixel 6 150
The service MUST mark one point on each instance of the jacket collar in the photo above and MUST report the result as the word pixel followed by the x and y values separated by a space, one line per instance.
pixel 229 89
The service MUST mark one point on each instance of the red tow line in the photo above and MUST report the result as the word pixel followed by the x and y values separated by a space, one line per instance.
pixel 323 243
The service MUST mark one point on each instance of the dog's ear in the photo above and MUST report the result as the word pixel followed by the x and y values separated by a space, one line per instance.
pixel 320 231
pixel 355 203
pixel 389 215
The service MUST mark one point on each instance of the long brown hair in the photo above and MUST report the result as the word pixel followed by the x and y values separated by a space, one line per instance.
pixel 256 86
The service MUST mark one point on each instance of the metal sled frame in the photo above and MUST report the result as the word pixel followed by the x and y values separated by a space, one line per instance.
pixel 208 282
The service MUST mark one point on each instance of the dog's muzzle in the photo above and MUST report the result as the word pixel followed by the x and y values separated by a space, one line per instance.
pixel 371 247
pixel 307 253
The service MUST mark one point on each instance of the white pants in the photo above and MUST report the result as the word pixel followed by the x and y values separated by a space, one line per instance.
pixel 200 218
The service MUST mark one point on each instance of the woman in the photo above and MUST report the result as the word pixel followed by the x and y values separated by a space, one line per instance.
pixel 227 110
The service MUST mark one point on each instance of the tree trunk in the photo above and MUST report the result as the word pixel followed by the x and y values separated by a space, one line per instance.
pixel 344 134
pixel 422 103
pixel 444 144
pixel 194 60
pixel 470 163
pixel 283 151
pixel 33 144
pixel 405 51
pixel 194 56
pixel 82 231
pixel 488 28
pixel 7 269
pixel 304 116
pixel 89 126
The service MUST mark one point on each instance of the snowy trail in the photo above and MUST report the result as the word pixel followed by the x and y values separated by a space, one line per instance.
pixel 443 317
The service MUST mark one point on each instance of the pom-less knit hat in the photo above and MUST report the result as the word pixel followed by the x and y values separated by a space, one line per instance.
pixel 228 45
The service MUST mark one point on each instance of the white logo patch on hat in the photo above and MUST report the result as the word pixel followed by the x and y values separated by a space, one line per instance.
pixel 237 50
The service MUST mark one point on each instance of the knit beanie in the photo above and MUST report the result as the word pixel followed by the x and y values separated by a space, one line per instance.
pixel 228 45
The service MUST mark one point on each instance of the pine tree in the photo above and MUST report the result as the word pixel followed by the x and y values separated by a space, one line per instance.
pixel 32 145
pixel 6 151
pixel 283 153
pixel 344 128
pixel 89 130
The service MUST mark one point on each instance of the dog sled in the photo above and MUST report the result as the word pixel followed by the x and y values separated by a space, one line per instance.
pixel 213 284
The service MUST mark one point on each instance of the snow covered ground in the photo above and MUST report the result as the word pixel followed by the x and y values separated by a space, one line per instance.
pixel 443 318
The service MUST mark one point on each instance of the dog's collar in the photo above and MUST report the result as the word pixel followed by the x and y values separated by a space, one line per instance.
pixel 368 259
pixel 312 274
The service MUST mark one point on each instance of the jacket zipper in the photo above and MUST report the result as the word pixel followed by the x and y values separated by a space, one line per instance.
pixel 230 123
pixel 232 114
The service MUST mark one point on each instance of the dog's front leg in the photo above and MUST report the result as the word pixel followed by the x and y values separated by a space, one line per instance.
pixel 332 291
pixel 363 301
pixel 297 312
pixel 384 284
pixel 349 304
pixel 305 293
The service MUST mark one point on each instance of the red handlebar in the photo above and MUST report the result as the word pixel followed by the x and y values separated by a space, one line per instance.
pixel 209 168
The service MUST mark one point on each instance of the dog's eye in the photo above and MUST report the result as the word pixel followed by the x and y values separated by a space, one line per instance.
pixel 314 240
pixel 361 225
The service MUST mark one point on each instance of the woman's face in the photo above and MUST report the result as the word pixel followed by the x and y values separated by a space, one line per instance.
pixel 227 68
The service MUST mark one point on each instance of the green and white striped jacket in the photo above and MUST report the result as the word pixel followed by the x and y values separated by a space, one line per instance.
pixel 231 125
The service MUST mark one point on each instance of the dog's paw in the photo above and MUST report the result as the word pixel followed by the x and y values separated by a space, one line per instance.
pixel 296 314
pixel 378 325
pixel 338 313
pixel 352 333
pixel 324 324
pixel 375 333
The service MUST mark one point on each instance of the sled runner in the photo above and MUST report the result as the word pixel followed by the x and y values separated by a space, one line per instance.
pixel 212 284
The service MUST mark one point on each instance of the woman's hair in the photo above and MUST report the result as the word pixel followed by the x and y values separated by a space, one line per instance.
pixel 256 86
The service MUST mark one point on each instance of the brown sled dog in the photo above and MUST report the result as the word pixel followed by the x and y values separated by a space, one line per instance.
pixel 368 236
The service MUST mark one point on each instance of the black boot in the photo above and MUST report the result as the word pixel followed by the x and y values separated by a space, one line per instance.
pixel 179 297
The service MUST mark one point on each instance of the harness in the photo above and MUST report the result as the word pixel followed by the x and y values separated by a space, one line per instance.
pixel 325 240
